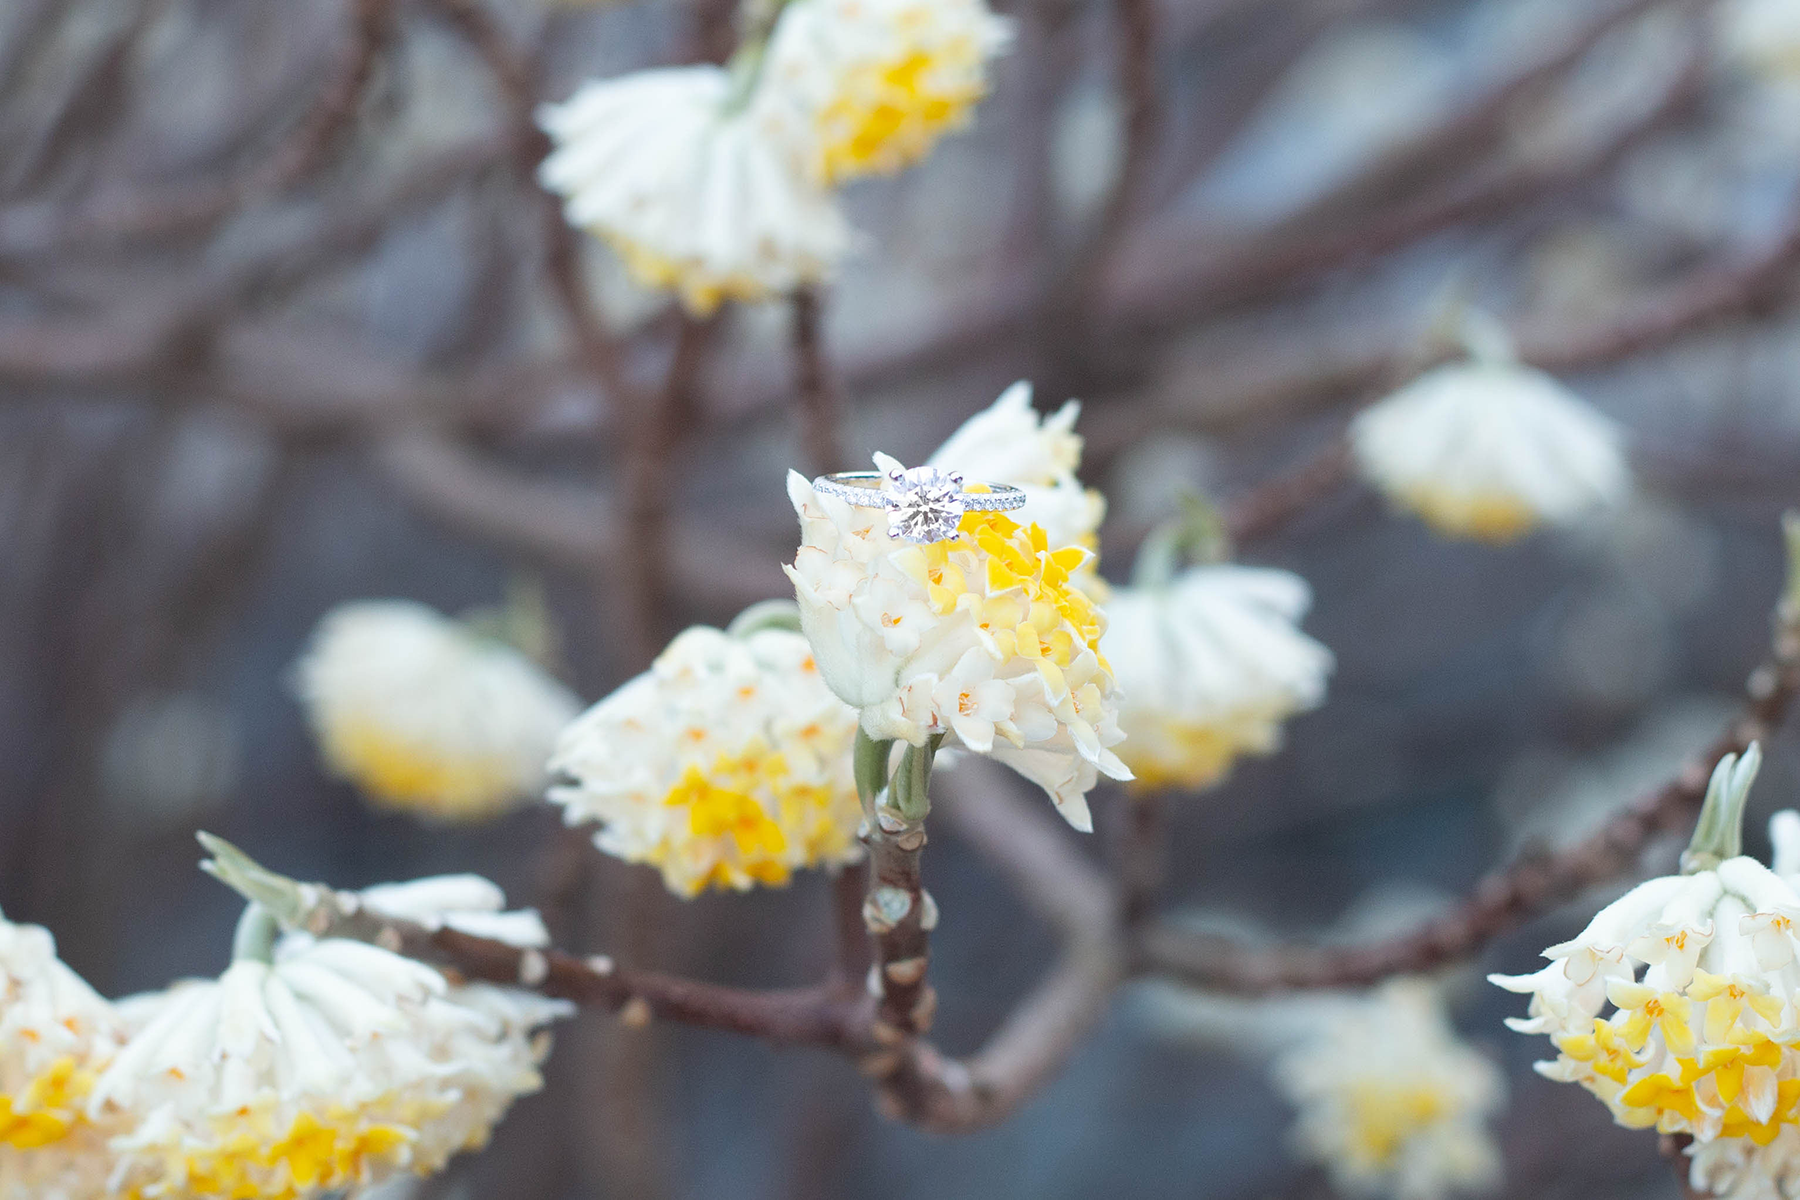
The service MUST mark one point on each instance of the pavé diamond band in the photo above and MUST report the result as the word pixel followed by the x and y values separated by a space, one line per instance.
pixel 924 504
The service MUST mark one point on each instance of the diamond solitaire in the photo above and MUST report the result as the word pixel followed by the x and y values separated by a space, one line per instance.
pixel 924 504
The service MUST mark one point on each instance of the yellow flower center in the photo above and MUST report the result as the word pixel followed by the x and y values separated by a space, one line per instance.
pixel 888 114
pixel 404 773
pixel 47 1108
pixel 1493 517
pixel 1383 1117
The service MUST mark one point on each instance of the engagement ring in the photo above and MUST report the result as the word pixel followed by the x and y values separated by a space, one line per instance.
pixel 923 504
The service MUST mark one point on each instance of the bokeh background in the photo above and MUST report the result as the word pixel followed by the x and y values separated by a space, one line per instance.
pixel 284 322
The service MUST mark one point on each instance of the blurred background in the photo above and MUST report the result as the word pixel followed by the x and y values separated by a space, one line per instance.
pixel 284 322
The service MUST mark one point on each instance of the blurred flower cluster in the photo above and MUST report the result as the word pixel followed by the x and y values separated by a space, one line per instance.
pixel 309 1066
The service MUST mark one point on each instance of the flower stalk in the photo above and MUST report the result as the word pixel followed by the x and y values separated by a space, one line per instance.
pixel 1195 536
pixel 898 913
pixel 254 940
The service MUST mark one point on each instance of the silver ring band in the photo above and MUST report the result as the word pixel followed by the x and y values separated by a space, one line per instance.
pixel 863 489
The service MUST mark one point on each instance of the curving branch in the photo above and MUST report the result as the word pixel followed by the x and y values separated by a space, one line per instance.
pixel 38 229
pixel 1020 838
pixel 915 1081
pixel 1502 901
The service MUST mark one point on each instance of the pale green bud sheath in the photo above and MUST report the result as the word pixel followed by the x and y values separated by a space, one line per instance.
pixel 1719 834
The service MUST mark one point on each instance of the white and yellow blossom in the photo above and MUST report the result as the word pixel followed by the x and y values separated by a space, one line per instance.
pixel 1490 449
pixel 56 1034
pixel 871 85
pixel 1703 1041
pixel 984 637
pixel 1009 442
pixel 1391 1101
pixel 335 1065
pixel 697 192
pixel 427 716
pixel 1209 665
pixel 726 764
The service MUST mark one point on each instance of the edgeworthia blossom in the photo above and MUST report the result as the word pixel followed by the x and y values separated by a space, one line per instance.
pixel 1209 664
pixel 427 716
pixel 56 1034
pixel 1009 442
pixel 1391 1101
pixel 1741 1169
pixel 1489 449
pixel 315 1065
pixel 983 638
pixel 1703 1040
pixel 726 764
pixel 699 191
pixel 873 84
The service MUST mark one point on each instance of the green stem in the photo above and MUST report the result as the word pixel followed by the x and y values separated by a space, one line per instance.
pixel 254 940
pixel 869 764
pixel 909 792
pixel 758 18
pixel 1194 536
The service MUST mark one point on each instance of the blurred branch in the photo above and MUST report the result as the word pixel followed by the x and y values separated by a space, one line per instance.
pixel 516 75
pixel 40 228
pixel 1258 397
pixel 1502 901
pixel 819 399
pixel 1279 499
pixel 564 524
pixel 1165 284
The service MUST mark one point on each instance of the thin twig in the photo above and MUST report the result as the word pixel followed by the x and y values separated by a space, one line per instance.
pixel 816 391
pixel 1503 900
pixel 29 229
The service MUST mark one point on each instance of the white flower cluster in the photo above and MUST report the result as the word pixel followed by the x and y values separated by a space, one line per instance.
pixel 726 764
pixel 56 1033
pixel 1701 972
pixel 693 196
pixel 427 716
pixel 1008 442
pixel 711 182
pixel 984 637
pixel 1391 1101
pixel 1490 449
pixel 1209 665
pixel 334 1064
pixel 875 83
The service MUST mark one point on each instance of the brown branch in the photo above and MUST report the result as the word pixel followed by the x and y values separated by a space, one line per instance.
pixel 819 399
pixel 1278 500
pixel 1171 287
pixel 1175 269
pixel 1237 402
pixel 899 913
pixel 1502 901
pixel 849 887
pixel 1024 841
pixel 916 1082
pixel 31 230
pixel 516 75
pixel 561 524
pixel 815 1016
